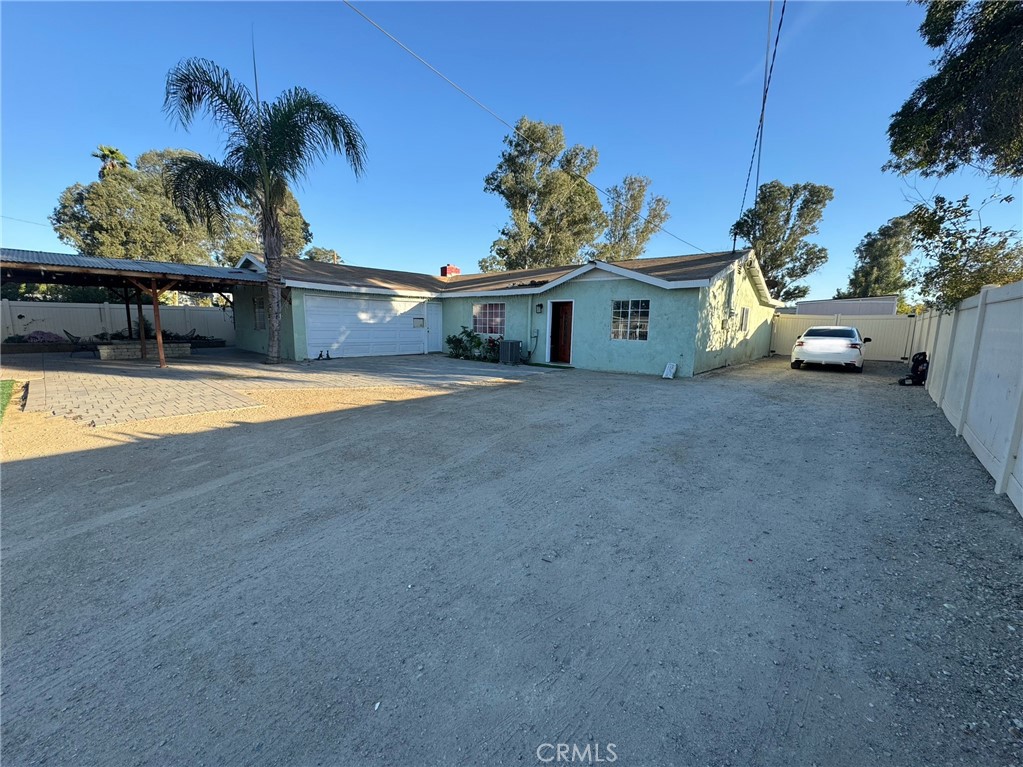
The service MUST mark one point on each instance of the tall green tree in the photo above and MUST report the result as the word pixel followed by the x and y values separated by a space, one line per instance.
pixel 269 146
pixel 323 255
pixel 969 112
pixel 110 157
pixel 632 220
pixel 242 233
pixel 960 254
pixel 555 213
pixel 880 268
pixel 778 226
pixel 127 214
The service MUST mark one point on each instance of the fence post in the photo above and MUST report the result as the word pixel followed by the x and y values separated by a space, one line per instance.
pixel 104 317
pixel 929 350
pixel 8 319
pixel 948 367
pixel 975 351
pixel 1012 451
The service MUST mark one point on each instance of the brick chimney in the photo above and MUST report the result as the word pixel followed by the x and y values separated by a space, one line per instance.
pixel 450 271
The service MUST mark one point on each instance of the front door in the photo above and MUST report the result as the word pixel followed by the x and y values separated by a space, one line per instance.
pixel 561 331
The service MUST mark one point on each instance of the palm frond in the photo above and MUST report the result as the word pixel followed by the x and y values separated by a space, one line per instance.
pixel 200 85
pixel 204 190
pixel 301 128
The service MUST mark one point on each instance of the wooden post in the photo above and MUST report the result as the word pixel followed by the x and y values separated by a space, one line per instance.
pixel 142 324
pixel 127 309
pixel 156 326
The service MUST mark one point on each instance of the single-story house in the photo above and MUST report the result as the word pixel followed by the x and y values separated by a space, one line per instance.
pixel 700 312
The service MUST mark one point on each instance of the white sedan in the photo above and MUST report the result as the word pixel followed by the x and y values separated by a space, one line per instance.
pixel 830 345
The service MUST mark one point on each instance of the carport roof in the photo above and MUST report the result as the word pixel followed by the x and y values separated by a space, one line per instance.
pixel 73 269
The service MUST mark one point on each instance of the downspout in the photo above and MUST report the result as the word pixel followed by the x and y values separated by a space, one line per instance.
pixel 529 327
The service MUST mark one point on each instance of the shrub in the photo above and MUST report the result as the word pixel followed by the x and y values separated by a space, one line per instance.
pixel 470 345
pixel 492 349
pixel 44 337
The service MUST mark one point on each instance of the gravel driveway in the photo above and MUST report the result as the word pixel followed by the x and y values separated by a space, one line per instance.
pixel 756 567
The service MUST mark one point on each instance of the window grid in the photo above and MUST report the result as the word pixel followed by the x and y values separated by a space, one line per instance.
pixel 630 320
pixel 488 319
pixel 259 313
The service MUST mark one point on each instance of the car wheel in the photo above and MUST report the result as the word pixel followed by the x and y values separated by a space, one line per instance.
pixel 795 365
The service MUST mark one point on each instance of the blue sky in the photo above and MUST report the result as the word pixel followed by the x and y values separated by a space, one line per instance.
pixel 666 90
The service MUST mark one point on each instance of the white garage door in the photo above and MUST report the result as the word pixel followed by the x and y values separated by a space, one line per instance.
pixel 364 327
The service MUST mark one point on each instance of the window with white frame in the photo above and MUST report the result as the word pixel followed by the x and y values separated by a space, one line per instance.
pixel 744 319
pixel 630 320
pixel 259 313
pixel 488 319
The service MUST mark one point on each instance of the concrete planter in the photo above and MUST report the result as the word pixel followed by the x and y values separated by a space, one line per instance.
pixel 129 350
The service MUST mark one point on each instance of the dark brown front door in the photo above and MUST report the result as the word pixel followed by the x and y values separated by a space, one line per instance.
pixel 561 331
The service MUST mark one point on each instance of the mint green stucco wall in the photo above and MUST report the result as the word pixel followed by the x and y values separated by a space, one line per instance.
pixel 250 339
pixel 720 340
pixel 671 338
pixel 673 319
pixel 698 329
pixel 458 312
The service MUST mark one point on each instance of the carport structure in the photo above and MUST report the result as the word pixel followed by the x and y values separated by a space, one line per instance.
pixel 150 277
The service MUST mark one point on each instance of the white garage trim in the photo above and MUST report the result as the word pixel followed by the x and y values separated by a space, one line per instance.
pixel 328 288
pixel 364 327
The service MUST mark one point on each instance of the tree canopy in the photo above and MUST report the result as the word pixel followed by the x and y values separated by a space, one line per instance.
pixel 324 255
pixel 242 233
pixel 777 227
pixel 127 214
pixel 555 213
pixel 110 157
pixel 969 112
pixel 633 219
pixel 961 255
pixel 268 147
pixel 880 268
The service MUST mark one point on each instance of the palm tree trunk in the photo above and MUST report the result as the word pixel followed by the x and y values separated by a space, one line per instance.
pixel 273 245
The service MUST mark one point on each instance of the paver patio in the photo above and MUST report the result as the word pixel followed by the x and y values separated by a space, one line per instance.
pixel 102 393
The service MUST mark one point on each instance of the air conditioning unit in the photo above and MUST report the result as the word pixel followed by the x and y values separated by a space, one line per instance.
pixel 511 352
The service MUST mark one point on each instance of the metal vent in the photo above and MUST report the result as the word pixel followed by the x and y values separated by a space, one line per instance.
pixel 511 352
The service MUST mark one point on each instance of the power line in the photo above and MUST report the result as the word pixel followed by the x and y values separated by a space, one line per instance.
pixel 498 117
pixel 767 85
pixel 758 141
pixel 23 221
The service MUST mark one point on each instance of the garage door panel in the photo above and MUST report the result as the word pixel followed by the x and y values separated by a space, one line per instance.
pixel 354 327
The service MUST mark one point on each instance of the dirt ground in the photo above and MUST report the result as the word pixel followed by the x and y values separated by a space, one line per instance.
pixel 756 567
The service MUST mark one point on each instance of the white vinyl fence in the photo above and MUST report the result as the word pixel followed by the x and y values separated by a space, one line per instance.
pixel 975 374
pixel 976 378
pixel 23 317
pixel 891 336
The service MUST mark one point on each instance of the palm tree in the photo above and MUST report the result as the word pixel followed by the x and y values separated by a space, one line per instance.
pixel 269 146
pixel 111 157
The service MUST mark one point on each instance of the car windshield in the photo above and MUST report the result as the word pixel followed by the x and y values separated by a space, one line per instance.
pixel 830 333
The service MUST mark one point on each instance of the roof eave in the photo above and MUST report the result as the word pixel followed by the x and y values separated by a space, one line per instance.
pixel 332 288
